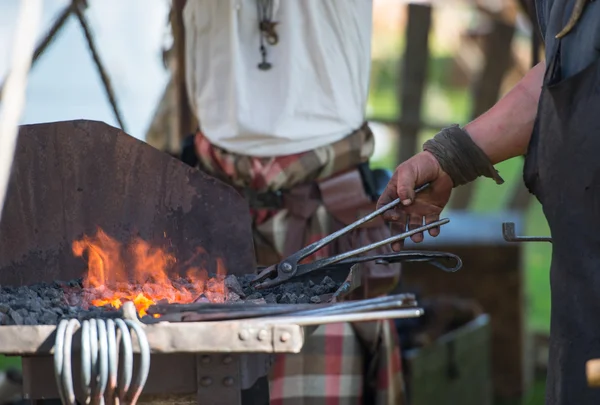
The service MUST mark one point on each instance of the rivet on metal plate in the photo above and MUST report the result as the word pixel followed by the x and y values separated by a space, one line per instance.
pixel 227 359
pixel 228 381
pixel 206 381
pixel 205 359
pixel 262 335
pixel 285 336
pixel 243 335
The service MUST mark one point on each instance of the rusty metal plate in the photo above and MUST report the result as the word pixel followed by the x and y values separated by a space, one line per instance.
pixel 69 178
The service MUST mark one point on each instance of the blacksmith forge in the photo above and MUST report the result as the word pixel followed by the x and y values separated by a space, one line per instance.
pixel 68 179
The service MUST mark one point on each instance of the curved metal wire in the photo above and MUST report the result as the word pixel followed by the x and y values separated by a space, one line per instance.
pixel 142 374
pixel 94 359
pixel 59 343
pixel 113 360
pixel 67 374
pixel 103 359
pixel 127 372
pixel 86 363
pixel 101 379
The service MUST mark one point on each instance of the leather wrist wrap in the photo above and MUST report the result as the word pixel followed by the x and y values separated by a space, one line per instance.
pixel 460 157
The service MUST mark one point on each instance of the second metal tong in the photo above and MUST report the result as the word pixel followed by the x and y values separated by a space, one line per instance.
pixel 291 267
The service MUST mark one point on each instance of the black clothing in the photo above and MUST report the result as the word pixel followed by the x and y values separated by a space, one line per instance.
pixel 562 169
pixel 582 45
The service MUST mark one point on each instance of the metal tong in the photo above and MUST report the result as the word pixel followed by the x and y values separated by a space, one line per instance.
pixel 290 268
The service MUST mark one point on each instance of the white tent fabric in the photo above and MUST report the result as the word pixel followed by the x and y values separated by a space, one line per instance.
pixel 65 85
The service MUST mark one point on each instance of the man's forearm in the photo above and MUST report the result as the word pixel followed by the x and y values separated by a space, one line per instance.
pixel 503 132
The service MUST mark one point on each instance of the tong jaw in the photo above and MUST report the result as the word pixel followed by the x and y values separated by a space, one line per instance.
pixel 274 275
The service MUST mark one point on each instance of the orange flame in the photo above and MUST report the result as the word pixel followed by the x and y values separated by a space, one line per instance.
pixel 147 282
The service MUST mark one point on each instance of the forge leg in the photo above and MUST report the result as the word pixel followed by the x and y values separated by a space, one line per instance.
pixel 232 379
pixel 258 394
pixel 219 379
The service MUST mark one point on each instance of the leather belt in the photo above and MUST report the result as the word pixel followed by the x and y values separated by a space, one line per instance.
pixel 276 200
pixel 273 200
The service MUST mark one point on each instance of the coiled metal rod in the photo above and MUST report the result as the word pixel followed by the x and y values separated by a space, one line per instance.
pixel 59 344
pixel 101 379
pixel 142 374
pixel 125 376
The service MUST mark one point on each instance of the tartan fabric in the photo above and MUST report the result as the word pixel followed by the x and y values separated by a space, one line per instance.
pixel 285 172
pixel 338 361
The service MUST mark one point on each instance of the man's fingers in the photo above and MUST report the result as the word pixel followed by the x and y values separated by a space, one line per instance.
pixel 394 215
pixel 432 218
pixel 386 197
pixel 415 222
pixel 397 228
pixel 397 246
pixel 405 186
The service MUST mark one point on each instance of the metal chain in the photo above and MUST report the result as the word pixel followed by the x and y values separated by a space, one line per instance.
pixel 266 27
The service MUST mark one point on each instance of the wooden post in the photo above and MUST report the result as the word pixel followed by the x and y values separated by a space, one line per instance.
pixel 185 117
pixel 486 91
pixel 414 73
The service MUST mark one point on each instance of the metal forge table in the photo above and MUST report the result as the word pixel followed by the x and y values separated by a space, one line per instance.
pixel 69 178
pixel 191 362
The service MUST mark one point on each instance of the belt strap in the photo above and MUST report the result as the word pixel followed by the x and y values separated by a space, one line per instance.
pixel 301 202
pixel 273 200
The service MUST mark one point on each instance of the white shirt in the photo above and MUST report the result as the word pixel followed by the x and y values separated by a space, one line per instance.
pixel 314 94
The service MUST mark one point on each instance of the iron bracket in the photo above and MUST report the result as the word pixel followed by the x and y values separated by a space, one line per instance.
pixel 219 379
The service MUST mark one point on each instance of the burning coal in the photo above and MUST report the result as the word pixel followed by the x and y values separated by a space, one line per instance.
pixel 143 274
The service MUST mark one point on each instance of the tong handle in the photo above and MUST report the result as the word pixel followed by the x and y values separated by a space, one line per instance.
pixel 290 264
pixel 307 268
pixel 433 258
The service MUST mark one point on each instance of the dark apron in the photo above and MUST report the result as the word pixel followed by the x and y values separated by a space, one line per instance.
pixel 562 169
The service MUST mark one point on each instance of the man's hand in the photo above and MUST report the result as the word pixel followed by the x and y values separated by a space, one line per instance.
pixel 418 170
pixel 502 132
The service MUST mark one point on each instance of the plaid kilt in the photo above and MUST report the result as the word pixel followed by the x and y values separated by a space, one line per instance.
pixel 339 361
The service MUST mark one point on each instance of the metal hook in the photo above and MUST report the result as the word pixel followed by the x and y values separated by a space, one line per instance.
pixel 510 235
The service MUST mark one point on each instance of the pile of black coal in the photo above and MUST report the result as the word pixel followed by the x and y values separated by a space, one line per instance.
pixel 42 304
pixel 48 303
pixel 301 292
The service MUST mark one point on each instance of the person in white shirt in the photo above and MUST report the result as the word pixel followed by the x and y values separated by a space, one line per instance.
pixel 279 88
pixel 312 90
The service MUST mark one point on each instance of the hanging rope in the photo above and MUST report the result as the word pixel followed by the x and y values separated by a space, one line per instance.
pixel 101 70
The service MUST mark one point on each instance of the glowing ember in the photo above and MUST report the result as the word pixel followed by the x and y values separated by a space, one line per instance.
pixel 140 273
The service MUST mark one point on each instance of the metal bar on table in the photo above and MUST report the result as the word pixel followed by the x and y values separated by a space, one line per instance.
pixel 233 307
pixel 206 313
pixel 353 317
pixel 377 304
